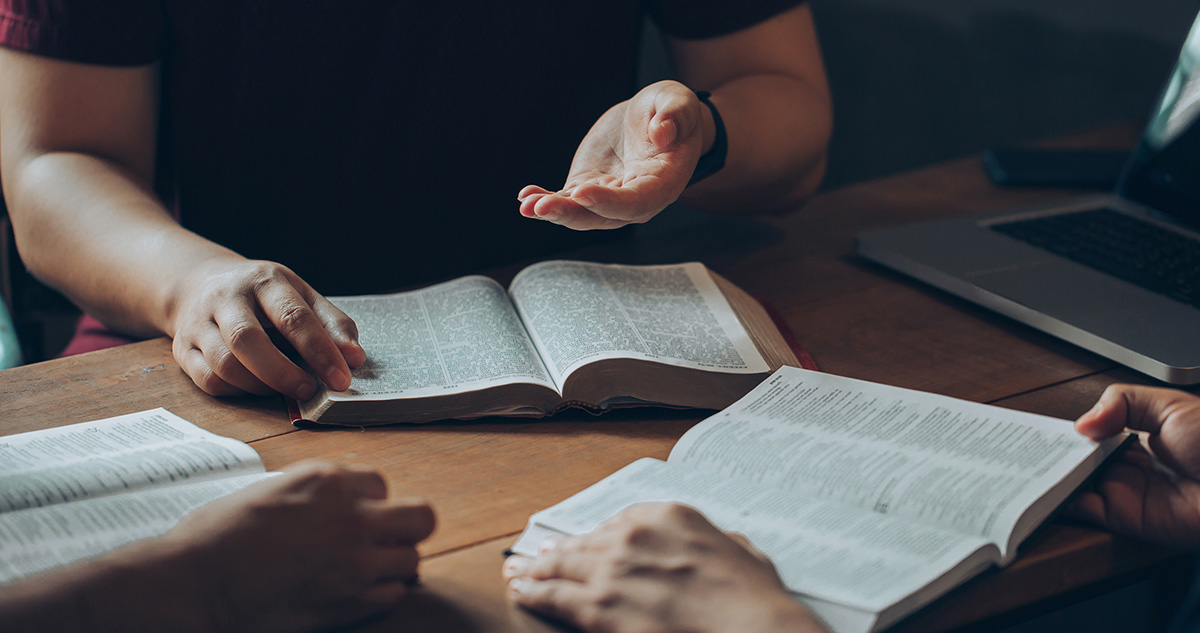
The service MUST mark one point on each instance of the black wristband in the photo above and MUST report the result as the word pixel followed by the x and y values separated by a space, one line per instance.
pixel 714 160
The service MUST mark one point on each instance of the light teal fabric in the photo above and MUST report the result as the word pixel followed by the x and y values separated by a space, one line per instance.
pixel 10 350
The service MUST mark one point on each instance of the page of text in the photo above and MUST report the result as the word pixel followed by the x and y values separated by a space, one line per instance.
pixel 579 312
pixel 456 336
pixel 961 465
pixel 821 549
pixel 38 539
pixel 120 454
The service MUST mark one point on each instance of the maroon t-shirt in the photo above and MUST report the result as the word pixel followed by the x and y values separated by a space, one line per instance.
pixel 371 144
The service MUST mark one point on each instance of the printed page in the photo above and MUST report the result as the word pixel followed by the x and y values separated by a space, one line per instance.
pixel 38 539
pixel 964 466
pixel 822 550
pixel 120 454
pixel 458 336
pixel 579 312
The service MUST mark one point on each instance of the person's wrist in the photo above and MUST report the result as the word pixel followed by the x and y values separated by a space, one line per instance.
pixel 163 571
pixel 715 144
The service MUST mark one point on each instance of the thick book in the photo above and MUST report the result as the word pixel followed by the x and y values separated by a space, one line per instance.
pixel 564 334
pixel 78 491
pixel 871 500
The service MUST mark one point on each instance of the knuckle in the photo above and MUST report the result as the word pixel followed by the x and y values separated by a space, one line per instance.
pixel 293 317
pixel 637 535
pixel 241 333
pixel 345 324
pixel 225 363
pixel 263 272
pixel 679 512
pixel 209 382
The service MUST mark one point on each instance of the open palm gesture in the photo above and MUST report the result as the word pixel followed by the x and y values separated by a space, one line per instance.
pixel 636 160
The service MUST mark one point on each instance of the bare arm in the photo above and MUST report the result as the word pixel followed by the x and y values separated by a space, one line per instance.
pixel 768 83
pixel 78 161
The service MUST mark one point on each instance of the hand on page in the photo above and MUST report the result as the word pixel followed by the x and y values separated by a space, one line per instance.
pixel 318 547
pixel 635 161
pixel 1152 490
pixel 221 316
pixel 656 568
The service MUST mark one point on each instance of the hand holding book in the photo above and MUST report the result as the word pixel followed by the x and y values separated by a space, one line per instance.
pixel 1152 490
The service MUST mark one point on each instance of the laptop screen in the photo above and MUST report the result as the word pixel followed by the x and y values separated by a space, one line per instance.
pixel 1164 172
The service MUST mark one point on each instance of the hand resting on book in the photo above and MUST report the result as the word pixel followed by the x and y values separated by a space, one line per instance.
pixel 656 567
pixel 318 547
pixel 1152 490
pixel 222 311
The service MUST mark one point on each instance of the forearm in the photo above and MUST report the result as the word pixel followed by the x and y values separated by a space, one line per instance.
pixel 88 227
pixel 778 129
pixel 138 588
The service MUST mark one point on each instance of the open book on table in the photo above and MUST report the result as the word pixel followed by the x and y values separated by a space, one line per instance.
pixel 564 334
pixel 77 491
pixel 871 500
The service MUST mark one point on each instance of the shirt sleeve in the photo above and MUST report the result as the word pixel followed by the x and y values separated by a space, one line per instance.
pixel 701 19
pixel 105 32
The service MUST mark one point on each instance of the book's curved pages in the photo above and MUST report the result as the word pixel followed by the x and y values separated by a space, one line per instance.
pixel 77 491
pixel 564 334
pixel 871 500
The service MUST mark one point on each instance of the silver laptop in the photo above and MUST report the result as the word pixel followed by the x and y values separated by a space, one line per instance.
pixel 1118 274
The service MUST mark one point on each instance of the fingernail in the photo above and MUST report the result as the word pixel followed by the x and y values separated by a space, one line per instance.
pixel 518 586
pixel 515 566
pixel 305 391
pixel 548 544
pixel 1093 412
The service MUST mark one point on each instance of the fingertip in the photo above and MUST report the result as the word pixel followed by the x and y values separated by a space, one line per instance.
pixel 337 377
pixel 426 518
pixel 529 190
pixel 515 566
pixel 664 132
pixel 527 205
pixel 519 590
pixel 549 544
pixel 353 353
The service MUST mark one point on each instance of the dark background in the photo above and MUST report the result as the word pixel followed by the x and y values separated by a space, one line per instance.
pixel 914 82
pixel 919 81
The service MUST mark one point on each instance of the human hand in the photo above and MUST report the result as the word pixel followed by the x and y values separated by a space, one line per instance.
pixel 222 311
pixel 656 568
pixel 1136 495
pixel 636 160
pixel 317 547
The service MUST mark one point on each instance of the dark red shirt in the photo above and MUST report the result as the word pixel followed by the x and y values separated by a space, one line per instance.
pixel 370 144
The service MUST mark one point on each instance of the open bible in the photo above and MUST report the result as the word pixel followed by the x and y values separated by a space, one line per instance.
pixel 871 500
pixel 81 490
pixel 564 334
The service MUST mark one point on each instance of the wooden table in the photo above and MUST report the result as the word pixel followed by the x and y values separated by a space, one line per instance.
pixel 486 477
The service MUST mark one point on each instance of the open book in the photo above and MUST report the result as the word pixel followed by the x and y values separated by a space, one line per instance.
pixel 870 500
pixel 78 491
pixel 564 334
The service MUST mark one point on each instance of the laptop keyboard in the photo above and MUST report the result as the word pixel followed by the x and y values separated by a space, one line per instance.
pixel 1139 252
